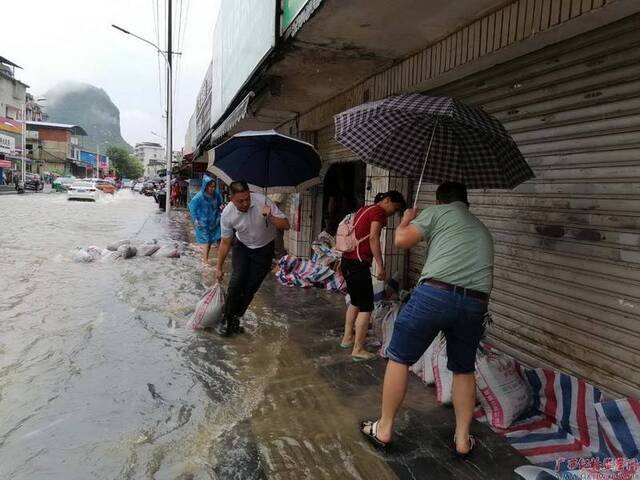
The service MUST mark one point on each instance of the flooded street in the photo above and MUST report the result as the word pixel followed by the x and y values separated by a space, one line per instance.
pixel 99 378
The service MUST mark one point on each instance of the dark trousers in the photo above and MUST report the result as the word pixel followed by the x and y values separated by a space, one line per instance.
pixel 250 267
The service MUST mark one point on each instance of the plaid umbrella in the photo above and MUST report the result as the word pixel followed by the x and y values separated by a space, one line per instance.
pixel 438 139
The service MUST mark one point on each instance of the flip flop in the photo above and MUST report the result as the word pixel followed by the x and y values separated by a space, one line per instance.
pixel 472 443
pixel 369 429
pixel 346 346
pixel 358 359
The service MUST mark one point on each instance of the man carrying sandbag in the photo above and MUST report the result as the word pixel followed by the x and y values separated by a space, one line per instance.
pixel 452 296
pixel 256 221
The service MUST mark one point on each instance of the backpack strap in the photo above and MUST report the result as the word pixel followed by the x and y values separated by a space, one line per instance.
pixel 355 224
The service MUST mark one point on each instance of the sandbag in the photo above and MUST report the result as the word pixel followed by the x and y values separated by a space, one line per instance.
pixel 87 255
pixel 147 249
pixel 126 251
pixel 387 328
pixel 167 252
pixel 115 245
pixel 502 392
pixel 209 309
pixel 380 311
pixel 423 368
pixel 443 377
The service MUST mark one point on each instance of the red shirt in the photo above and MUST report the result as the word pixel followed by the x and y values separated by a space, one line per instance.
pixel 369 214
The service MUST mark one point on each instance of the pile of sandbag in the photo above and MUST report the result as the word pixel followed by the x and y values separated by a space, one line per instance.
pixel 124 249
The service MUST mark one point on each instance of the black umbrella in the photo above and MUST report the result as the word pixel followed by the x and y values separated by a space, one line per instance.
pixel 268 161
pixel 437 139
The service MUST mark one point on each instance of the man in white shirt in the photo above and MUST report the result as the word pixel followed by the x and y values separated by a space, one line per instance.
pixel 255 220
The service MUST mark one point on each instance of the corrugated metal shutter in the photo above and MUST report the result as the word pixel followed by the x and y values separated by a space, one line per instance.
pixel 567 278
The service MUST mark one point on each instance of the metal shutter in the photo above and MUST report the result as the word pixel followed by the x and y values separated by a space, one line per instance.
pixel 567 278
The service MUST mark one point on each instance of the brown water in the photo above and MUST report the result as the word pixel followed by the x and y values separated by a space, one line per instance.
pixel 99 378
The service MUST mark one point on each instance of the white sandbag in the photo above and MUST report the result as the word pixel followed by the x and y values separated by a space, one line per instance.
pixel 209 309
pixel 443 377
pixel 502 392
pixel 115 245
pixel 87 255
pixel 127 251
pixel 81 256
pixel 380 311
pixel 423 368
pixel 96 253
pixel 387 328
pixel 167 252
pixel 147 249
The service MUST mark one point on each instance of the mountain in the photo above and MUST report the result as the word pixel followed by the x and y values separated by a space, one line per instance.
pixel 89 107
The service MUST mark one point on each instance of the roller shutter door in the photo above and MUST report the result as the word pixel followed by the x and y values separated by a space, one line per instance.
pixel 567 277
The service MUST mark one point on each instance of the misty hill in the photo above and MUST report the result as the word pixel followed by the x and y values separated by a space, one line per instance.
pixel 89 107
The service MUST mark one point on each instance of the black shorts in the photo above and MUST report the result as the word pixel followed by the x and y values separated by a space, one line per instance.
pixel 357 274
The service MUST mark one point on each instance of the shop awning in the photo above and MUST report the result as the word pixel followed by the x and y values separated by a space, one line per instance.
pixel 5 164
pixel 233 118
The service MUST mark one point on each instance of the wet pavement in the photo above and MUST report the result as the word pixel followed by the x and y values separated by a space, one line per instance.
pixel 100 377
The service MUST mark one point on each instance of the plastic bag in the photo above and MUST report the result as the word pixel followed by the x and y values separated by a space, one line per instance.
pixel 387 328
pixel 209 309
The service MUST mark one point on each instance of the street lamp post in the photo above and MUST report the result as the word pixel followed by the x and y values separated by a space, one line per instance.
pixel 169 125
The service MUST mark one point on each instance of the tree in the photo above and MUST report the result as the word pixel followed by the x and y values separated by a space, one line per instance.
pixel 127 165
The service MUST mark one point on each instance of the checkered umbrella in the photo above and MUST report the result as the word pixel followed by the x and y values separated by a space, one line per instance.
pixel 438 139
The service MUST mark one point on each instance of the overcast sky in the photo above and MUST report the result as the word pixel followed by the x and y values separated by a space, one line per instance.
pixel 54 41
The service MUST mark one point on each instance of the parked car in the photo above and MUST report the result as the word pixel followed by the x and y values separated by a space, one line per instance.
pixel 61 184
pixel 127 183
pixel 84 190
pixel 106 186
pixel 137 186
pixel 148 189
pixel 33 182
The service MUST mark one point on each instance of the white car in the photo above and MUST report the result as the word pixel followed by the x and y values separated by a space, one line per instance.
pixel 138 186
pixel 85 190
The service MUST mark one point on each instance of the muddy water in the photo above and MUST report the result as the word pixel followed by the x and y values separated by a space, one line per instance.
pixel 99 378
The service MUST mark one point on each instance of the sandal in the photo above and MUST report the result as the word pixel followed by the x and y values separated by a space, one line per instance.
pixel 346 346
pixel 364 358
pixel 472 443
pixel 369 429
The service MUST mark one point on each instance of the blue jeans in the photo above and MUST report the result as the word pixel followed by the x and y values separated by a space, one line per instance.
pixel 431 310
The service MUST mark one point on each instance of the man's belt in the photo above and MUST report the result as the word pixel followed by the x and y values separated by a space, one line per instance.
pixel 465 292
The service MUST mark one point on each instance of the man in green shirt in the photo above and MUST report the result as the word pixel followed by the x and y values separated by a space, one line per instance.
pixel 452 296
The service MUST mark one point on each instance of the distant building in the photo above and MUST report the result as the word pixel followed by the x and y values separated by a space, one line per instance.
pixel 34 111
pixel 55 148
pixel 13 93
pixel 152 155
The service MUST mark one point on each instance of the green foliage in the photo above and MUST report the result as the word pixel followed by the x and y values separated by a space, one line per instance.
pixel 127 165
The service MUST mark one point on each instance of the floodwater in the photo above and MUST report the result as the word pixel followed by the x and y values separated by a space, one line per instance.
pixel 99 376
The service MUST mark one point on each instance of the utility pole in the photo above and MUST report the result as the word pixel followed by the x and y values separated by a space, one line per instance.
pixel 169 112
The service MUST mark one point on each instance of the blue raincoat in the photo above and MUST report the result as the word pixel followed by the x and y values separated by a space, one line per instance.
pixel 205 212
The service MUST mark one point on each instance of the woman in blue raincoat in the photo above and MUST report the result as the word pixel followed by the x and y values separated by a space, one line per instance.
pixel 205 211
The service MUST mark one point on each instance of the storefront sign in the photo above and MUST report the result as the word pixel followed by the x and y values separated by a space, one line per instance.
pixel 7 144
pixel 88 157
pixel 290 10
pixel 243 37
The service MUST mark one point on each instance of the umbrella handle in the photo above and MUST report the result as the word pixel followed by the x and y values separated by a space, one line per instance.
pixel 424 166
